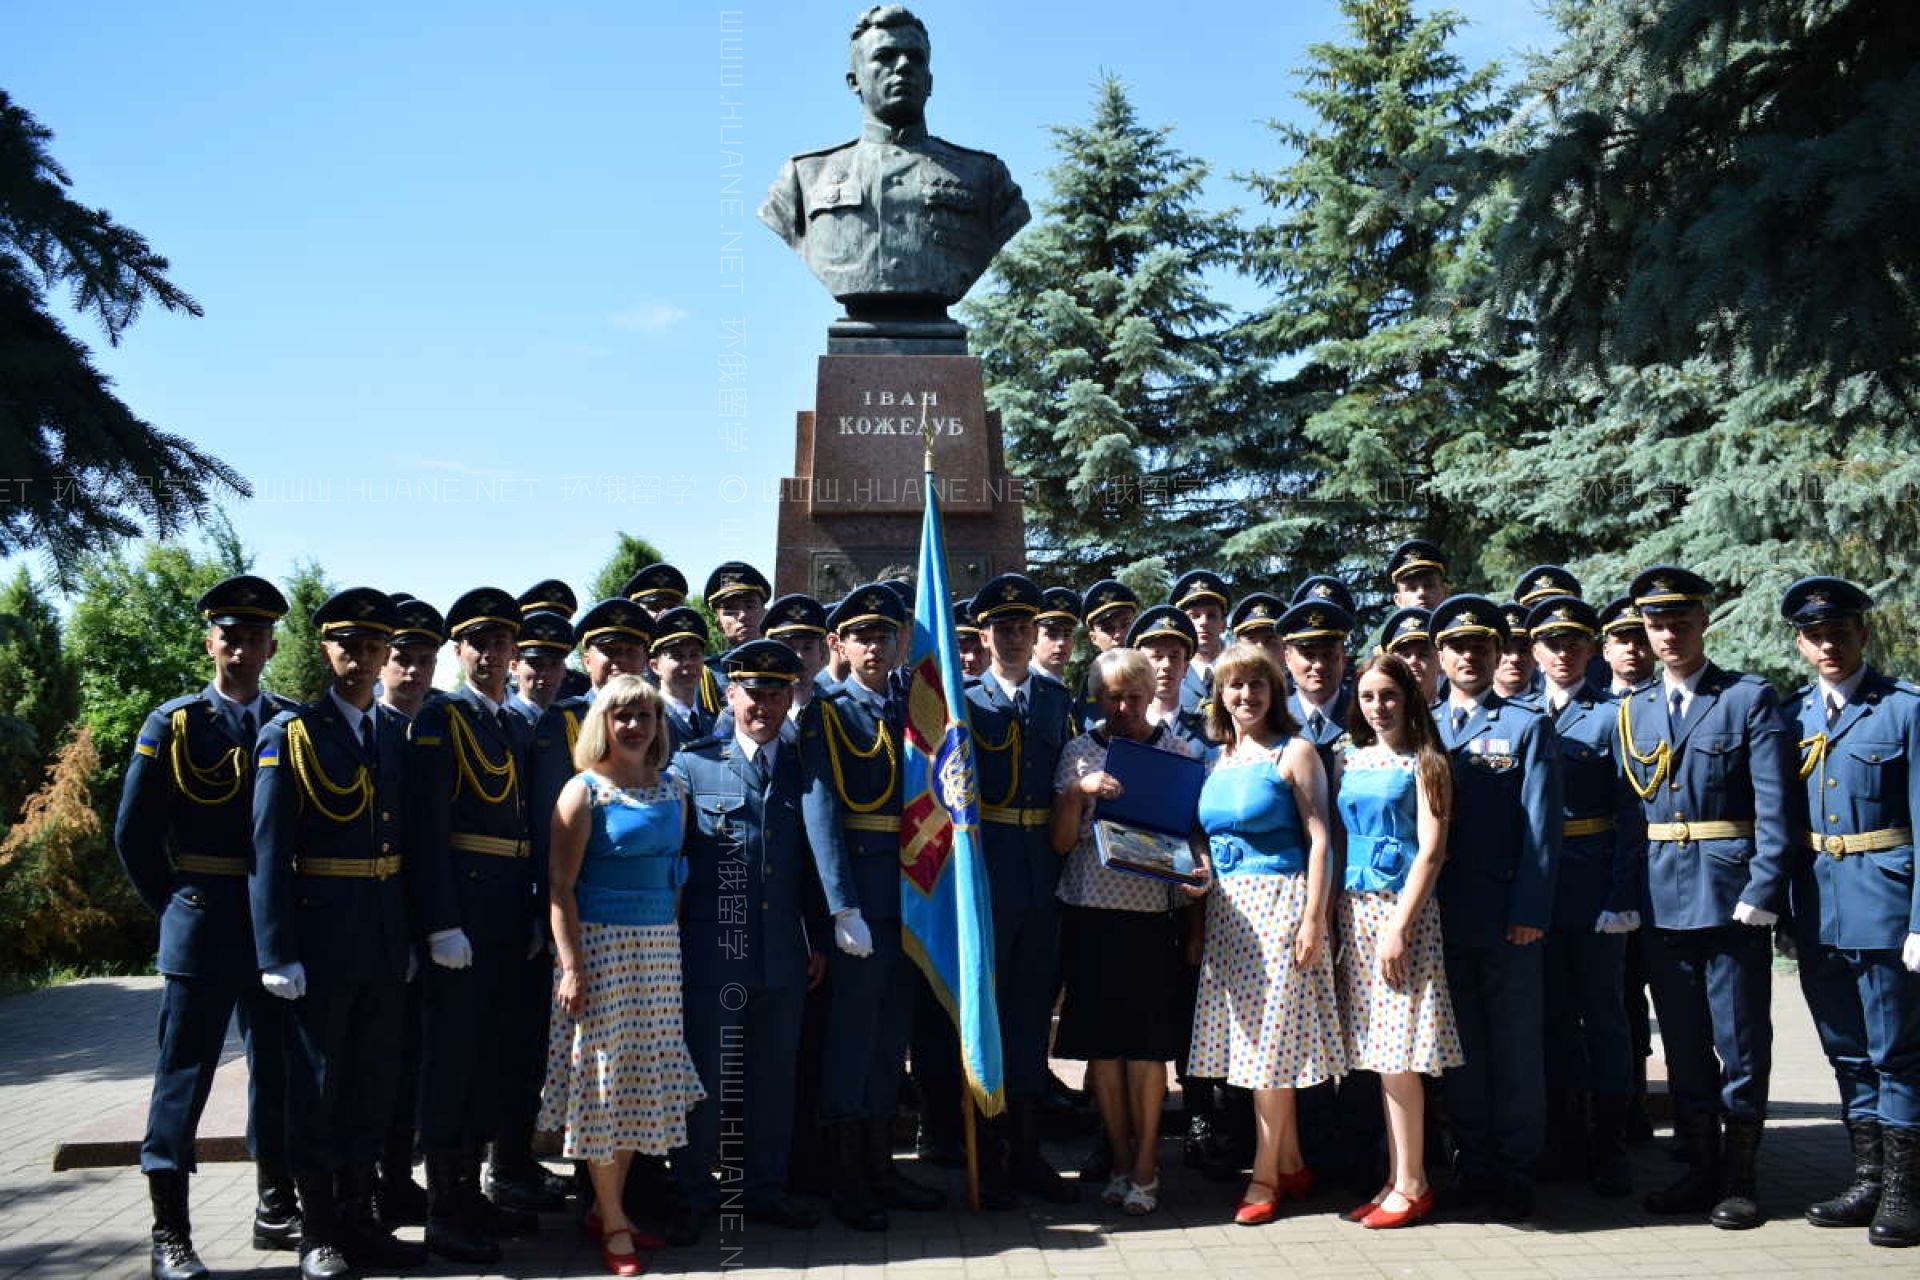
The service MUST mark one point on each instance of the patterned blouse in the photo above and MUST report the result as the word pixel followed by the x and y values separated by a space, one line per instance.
pixel 1083 881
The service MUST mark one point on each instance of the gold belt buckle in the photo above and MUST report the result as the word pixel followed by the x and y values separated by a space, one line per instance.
pixel 1681 833
pixel 1835 846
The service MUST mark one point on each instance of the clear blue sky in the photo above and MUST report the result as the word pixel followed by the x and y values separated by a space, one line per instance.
pixel 462 263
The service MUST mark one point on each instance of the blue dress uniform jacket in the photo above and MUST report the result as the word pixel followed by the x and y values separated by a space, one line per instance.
pixel 1016 758
pixel 471 868
pixel 1730 761
pixel 1854 900
pixel 329 894
pixel 1504 843
pixel 184 833
pixel 744 947
pixel 1327 738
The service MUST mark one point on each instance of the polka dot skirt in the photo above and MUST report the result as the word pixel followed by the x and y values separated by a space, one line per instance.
pixel 1409 1028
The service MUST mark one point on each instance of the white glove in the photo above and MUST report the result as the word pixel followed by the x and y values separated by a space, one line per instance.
pixel 288 981
pixel 538 942
pixel 450 948
pixel 850 933
pixel 1758 917
pixel 1910 954
pixel 1617 922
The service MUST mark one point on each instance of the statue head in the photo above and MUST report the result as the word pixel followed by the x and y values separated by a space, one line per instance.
pixel 890 69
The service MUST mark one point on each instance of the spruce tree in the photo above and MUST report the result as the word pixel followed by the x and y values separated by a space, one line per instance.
pixel 298 669
pixel 1375 260
pixel 1122 387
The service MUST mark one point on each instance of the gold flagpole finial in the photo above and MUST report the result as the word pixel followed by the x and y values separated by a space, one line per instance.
pixel 926 434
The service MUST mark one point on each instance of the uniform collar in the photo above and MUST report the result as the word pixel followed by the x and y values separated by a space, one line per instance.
pixel 1009 688
pixel 1691 684
pixel 1846 691
pixel 750 750
pixel 348 712
pixel 909 135
pixel 480 699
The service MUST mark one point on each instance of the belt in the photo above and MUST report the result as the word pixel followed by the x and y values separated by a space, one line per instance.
pixel 210 864
pixel 1839 846
pixel 1588 826
pixel 494 846
pixel 1016 817
pixel 349 868
pixel 887 822
pixel 1681 832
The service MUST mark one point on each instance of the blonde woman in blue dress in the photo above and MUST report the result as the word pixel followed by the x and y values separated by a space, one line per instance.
pixel 619 1077
pixel 1394 787
pixel 1265 1016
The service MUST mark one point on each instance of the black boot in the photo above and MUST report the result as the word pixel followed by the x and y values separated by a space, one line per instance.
pixel 1029 1168
pixel 450 1233
pixel 321 1254
pixel 495 1220
pixel 369 1244
pixel 1855 1206
pixel 276 1213
pixel 1565 1158
pixel 995 1148
pixel 400 1200
pixel 895 1189
pixel 173 1255
pixel 852 1200
pixel 1612 1171
pixel 515 1180
pixel 1897 1223
pixel 1698 1188
pixel 1739 1206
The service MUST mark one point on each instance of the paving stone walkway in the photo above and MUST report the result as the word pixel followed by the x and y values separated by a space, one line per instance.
pixel 70 1054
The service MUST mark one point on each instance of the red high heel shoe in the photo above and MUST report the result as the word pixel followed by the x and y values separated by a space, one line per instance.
pixel 643 1240
pixel 1297 1185
pixel 1387 1219
pixel 621 1264
pixel 1250 1214
pixel 1359 1213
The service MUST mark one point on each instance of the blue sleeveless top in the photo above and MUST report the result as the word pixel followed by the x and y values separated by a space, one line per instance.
pixel 633 868
pixel 1251 821
pixel 1380 808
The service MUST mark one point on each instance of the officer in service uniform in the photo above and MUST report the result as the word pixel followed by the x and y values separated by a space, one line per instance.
pixel 1201 594
pixel 1020 723
pixel 687 686
pixel 1708 754
pixel 1111 607
pixel 185 836
pixel 1417 574
pixel 898 218
pixel 738 594
pixel 1517 675
pixel 1623 646
pixel 966 635
pixel 475 887
pixel 550 595
pixel 332 935
pixel 744 941
pixel 799 621
pixel 1628 664
pixel 850 756
pixel 1856 910
pixel 1059 626
pixel 1313 634
pixel 656 588
pixel 1596 902
pixel 540 662
pixel 1255 619
pixel 1407 634
pixel 1166 635
pixel 1496 901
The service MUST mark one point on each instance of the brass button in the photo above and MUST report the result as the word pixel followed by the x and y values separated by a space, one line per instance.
pixel 385 816
pixel 1833 817
pixel 1833 782
pixel 386 847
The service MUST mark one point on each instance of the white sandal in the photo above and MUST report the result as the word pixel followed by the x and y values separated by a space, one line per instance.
pixel 1116 1190
pixel 1142 1198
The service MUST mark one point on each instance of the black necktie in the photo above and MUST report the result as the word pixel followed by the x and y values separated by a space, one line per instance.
pixel 1315 723
pixel 249 729
pixel 1833 708
pixel 1676 708
pixel 366 735
pixel 763 765
pixel 500 718
pixel 1020 703
pixel 1459 720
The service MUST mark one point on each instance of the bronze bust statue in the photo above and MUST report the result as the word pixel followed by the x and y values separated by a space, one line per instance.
pixel 897 224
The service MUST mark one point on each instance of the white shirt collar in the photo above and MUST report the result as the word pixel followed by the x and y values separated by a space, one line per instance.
pixel 1007 686
pixel 1457 697
pixel 751 749
pixel 486 704
pixel 1842 693
pixel 241 708
pixel 350 713
pixel 1559 695
pixel 1688 687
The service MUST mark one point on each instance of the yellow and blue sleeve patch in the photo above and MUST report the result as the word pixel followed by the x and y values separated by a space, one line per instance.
pixel 148 747
pixel 269 756
pixel 427 741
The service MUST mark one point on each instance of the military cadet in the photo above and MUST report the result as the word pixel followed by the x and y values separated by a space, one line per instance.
pixel 800 622
pixel 1857 913
pixel 185 836
pixel 1167 636
pixel 1707 752
pixel 1623 644
pixel 1496 901
pixel 475 892
pixel 744 941
pixel 738 594
pixel 1417 573
pixel 550 595
pixel 1517 675
pixel 1313 634
pixel 679 652
pixel 656 588
pixel 1544 582
pixel 1059 627
pixel 332 935
pixel 1255 619
pixel 850 757
pixel 406 681
pixel 1020 723
pixel 966 635
pixel 1595 905
pixel 1201 594
pixel 540 662
pixel 1110 609
pixel 1408 635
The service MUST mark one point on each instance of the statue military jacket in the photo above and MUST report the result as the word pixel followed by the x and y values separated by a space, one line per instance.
pixel 188 798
